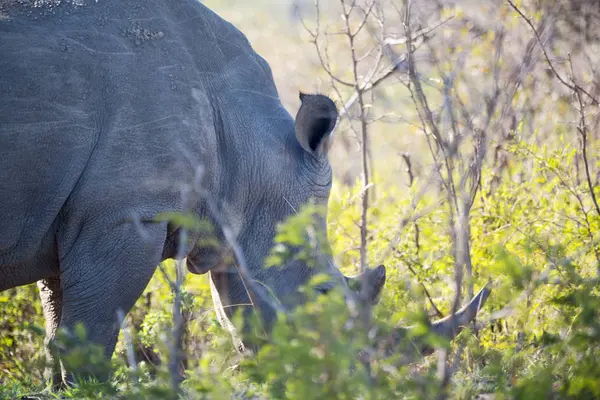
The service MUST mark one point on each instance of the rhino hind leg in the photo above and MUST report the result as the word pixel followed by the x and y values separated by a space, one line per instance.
pixel 104 272
pixel 51 296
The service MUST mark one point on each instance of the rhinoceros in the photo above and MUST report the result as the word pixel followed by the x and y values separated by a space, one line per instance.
pixel 107 110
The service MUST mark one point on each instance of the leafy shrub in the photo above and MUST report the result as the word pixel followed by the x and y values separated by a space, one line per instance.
pixel 529 237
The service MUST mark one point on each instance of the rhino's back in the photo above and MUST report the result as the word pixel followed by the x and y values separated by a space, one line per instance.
pixel 99 100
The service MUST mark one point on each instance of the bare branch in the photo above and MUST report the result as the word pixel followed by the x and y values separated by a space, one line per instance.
pixel 130 352
pixel 323 59
pixel 419 33
pixel 421 283
pixel 364 135
pixel 176 349
pixel 365 18
pixel 574 87
pixel 583 131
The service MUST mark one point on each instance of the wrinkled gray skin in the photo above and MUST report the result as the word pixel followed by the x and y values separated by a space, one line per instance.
pixel 106 110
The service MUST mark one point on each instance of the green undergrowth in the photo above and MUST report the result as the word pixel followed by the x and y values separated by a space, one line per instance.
pixel 534 237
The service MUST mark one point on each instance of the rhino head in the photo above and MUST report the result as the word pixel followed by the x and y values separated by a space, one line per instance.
pixel 296 174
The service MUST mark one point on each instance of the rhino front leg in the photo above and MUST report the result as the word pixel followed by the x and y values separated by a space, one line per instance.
pixel 106 271
pixel 51 295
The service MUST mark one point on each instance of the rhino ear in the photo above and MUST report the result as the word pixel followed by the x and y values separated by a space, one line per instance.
pixel 375 279
pixel 315 120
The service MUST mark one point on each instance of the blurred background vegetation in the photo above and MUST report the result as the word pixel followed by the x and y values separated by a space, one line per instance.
pixel 483 164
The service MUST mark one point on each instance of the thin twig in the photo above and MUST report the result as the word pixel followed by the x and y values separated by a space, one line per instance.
pixel 411 181
pixel 364 140
pixel 421 283
pixel 130 352
pixel 583 131
pixel 574 87
pixel 178 322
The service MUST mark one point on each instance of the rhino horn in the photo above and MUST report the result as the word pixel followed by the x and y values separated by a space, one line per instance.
pixel 448 327
pixel 373 278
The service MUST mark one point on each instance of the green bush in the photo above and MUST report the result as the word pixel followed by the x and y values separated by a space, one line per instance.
pixel 529 239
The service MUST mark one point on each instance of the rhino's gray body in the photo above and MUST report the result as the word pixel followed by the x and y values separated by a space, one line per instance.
pixel 106 110
pixel 99 125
